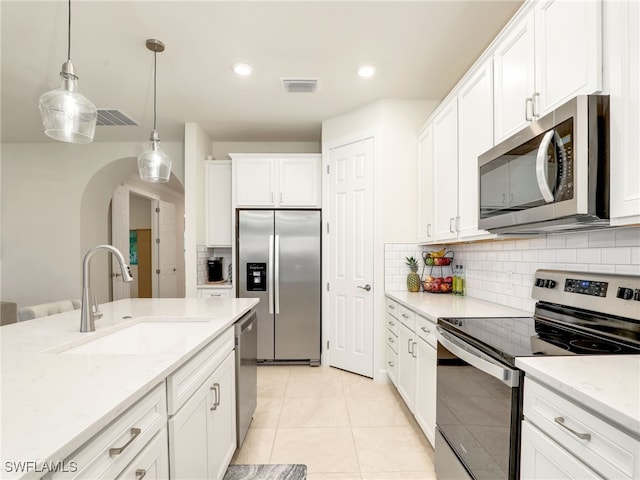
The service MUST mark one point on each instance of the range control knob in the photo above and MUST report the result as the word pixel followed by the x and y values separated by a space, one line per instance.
pixel 550 284
pixel 636 294
pixel 624 293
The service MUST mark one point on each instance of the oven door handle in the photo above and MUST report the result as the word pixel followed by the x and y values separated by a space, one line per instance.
pixel 476 358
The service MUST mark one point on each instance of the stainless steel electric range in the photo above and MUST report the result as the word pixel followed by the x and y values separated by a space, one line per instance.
pixel 479 389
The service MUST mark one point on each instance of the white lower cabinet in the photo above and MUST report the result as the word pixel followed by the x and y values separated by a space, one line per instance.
pixel 214 292
pixel 562 439
pixel 542 458
pixel 202 435
pixel 425 398
pixel 411 363
pixel 152 463
pixel 406 365
pixel 108 453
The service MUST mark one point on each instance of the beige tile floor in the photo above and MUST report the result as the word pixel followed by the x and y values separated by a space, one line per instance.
pixel 342 426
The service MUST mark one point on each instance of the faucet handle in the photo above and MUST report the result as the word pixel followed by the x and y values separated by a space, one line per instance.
pixel 96 312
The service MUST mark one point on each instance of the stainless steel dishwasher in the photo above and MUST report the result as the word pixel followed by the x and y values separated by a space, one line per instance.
pixel 246 333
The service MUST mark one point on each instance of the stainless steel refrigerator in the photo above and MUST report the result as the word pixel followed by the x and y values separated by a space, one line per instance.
pixel 279 263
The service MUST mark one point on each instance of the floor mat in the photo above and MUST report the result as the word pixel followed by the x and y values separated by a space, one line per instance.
pixel 266 472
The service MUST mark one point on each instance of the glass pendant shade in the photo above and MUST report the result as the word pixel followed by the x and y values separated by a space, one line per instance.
pixel 154 165
pixel 67 115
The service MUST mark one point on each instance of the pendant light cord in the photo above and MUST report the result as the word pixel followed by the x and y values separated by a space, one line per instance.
pixel 155 88
pixel 69 35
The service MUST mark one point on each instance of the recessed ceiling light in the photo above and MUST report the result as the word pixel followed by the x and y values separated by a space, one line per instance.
pixel 242 69
pixel 366 71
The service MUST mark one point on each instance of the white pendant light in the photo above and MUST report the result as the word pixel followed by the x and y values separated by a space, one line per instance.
pixel 67 115
pixel 154 165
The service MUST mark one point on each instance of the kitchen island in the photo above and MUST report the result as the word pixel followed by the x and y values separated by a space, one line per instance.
pixel 55 398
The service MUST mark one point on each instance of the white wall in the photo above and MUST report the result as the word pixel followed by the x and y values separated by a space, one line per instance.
pixel 54 206
pixel 139 212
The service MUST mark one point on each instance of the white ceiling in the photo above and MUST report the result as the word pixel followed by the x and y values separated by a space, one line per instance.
pixel 420 49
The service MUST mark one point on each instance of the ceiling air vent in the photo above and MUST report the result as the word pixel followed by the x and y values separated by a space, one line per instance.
pixel 299 85
pixel 110 118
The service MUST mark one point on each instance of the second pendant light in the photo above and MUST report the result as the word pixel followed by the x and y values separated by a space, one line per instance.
pixel 154 165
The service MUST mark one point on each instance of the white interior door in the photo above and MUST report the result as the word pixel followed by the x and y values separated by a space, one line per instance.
pixel 350 296
pixel 120 239
pixel 167 231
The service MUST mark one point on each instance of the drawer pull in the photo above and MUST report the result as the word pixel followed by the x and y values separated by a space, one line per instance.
pixel 391 323
pixel 390 339
pixel 392 307
pixel 425 330
pixel 581 436
pixel 404 315
pixel 140 473
pixel 117 451
pixel 390 364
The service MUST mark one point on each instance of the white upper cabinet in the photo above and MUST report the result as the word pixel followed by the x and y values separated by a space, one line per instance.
pixel 514 79
pixel 255 180
pixel 425 180
pixel 623 74
pixel 218 203
pixel 278 180
pixel 445 171
pixel 298 181
pixel 547 57
pixel 475 136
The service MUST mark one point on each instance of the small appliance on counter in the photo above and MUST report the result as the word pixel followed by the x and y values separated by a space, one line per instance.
pixel 214 269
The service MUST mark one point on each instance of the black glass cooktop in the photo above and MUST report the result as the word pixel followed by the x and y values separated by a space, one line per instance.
pixel 510 337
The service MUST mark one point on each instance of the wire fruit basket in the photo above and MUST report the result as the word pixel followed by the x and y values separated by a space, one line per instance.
pixel 440 276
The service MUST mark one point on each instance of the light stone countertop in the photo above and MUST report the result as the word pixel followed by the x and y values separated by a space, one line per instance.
pixel 433 305
pixel 607 384
pixel 53 403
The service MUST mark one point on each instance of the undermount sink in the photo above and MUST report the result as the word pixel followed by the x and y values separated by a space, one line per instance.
pixel 143 338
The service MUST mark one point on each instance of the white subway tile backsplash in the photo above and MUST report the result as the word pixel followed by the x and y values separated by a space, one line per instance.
pixel 588 255
pixel 628 237
pixel 617 255
pixel 502 271
pixel 602 238
pixel 577 240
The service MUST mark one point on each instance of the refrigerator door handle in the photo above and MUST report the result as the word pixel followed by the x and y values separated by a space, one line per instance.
pixel 277 275
pixel 270 271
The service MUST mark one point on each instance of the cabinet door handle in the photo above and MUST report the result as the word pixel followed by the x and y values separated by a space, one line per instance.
pixel 413 350
pixel 425 330
pixel 390 339
pixel 528 107
pixel 392 324
pixel 404 315
pixel 390 364
pixel 280 197
pixel 428 229
pixel 451 230
pixel 216 393
pixel 118 450
pixel 457 224
pixel 392 307
pixel 581 436
pixel 536 105
pixel 410 347
pixel 140 473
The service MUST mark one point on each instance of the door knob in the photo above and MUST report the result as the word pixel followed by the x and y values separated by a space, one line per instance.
pixel 367 287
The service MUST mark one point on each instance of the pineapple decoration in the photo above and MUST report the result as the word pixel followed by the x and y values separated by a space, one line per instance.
pixel 413 279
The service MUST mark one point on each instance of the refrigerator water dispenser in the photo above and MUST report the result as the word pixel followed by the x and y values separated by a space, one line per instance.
pixel 256 277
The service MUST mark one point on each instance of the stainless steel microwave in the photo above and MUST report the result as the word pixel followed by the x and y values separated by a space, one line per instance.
pixel 552 176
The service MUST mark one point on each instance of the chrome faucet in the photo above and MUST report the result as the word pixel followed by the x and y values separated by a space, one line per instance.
pixel 89 312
